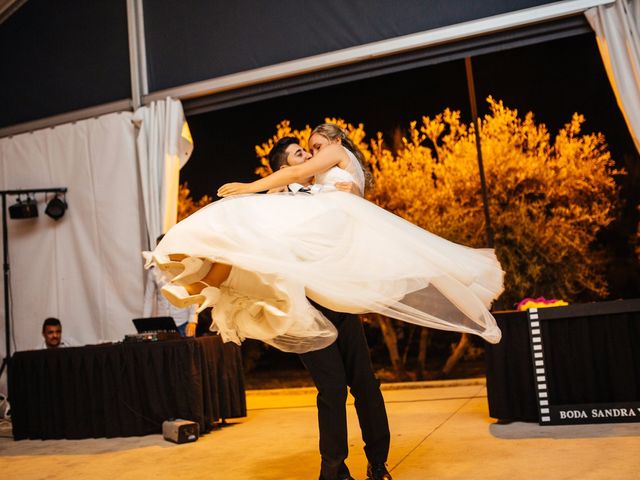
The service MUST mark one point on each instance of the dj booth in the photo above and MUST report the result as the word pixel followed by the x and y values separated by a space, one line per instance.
pixel 124 389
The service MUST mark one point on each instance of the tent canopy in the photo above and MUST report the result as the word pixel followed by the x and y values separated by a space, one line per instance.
pixel 92 57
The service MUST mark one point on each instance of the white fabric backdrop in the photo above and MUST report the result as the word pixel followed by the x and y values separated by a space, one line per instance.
pixel 86 268
pixel 617 28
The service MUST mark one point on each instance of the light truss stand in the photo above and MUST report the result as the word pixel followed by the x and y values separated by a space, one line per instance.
pixel 5 264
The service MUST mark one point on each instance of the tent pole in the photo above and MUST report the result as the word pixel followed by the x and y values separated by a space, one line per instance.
pixel 476 124
pixel 5 269
pixel 137 54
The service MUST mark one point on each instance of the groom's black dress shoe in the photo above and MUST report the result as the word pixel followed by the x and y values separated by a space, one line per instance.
pixel 378 471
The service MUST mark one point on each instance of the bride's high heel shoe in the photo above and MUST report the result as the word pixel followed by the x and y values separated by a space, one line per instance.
pixel 171 266
pixel 194 270
pixel 180 297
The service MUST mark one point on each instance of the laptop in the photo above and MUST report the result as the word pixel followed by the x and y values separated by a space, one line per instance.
pixel 155 324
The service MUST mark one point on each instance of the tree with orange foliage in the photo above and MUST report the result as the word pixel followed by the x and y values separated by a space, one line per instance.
pixel 186 204
pixel 547 200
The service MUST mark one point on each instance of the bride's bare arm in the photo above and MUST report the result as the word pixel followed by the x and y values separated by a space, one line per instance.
pixel 326 158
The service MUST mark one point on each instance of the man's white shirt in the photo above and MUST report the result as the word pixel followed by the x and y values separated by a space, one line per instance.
pixel 64 342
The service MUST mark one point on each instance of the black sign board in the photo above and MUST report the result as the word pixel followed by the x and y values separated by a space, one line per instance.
pixel 594 413
pixel 579 413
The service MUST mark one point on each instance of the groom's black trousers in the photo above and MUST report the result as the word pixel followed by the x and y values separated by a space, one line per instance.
pixel 347 362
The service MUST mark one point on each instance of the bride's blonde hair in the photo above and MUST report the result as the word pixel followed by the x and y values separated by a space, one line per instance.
pixel 332 132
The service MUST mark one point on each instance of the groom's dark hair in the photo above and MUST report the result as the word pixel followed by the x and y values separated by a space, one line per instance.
pixel 278 155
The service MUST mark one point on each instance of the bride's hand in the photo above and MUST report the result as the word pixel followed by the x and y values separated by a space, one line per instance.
pixel 235 188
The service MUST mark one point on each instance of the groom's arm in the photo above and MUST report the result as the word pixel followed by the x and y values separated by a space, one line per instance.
pixel 277 190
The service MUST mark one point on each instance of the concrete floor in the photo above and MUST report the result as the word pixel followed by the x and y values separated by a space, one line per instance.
pixel 439 431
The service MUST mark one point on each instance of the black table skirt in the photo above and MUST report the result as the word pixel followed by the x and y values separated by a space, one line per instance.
pixel 124 389
pixel 591 351
pixel 510 386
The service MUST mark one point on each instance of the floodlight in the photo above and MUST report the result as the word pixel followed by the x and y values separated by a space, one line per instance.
pixel 56 208
pixel 24 208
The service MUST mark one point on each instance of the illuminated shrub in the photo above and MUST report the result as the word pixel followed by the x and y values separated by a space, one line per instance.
pixel 186 204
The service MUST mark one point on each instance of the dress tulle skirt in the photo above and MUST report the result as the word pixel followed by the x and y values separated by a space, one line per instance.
pixel 344 253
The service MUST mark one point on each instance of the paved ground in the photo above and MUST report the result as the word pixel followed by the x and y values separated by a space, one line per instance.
pixel 439 431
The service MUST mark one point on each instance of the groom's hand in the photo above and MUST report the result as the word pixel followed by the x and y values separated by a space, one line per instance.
pixel 349 187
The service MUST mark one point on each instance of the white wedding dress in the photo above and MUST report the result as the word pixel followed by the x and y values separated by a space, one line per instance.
pixel 341 251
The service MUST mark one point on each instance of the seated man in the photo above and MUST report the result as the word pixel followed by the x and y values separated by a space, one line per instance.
pixel 52 335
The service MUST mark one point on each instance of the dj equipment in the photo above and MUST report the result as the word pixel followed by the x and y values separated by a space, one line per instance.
pixel 151 336
pixel 154 324
pixel 180 431
pixel 153 329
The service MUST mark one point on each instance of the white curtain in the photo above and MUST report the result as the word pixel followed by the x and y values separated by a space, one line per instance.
pixel 86 268
pixel 617 28
pixel 164 145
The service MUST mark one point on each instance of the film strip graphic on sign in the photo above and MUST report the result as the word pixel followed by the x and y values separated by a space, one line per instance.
pixel 571 414
pixel 539 370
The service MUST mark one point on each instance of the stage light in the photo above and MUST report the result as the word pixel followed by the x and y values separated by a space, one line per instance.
pixel 24 209
pixel 56 208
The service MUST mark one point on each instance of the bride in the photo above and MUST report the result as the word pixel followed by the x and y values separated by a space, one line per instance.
pixel 259 258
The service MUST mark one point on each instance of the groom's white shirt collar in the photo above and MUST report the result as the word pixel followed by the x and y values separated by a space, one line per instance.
pixel 315 188
pixel 296 187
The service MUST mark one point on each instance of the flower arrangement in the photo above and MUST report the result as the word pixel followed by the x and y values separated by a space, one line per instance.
pixel 539 302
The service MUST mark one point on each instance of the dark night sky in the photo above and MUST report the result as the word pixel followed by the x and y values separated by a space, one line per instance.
pixel 553 79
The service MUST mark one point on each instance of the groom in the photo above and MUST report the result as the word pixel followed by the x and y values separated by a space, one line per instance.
pixel 345 363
